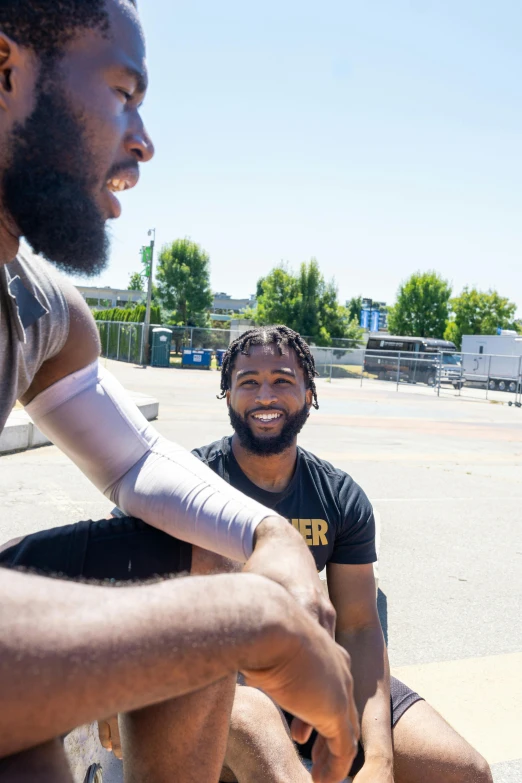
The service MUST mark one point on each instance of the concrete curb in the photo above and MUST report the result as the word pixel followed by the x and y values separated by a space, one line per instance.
pixel 20 434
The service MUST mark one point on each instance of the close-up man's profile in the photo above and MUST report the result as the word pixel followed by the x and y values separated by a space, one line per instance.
pixel 261 536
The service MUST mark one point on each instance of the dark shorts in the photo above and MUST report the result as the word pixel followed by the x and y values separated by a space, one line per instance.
pixel 119 550
pixel 126 549
pixel 401 699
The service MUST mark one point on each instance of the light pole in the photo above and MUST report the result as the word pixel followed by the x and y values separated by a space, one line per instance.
pixel 145 351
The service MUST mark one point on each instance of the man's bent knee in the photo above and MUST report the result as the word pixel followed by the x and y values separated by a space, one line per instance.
pixel 12 542
pixel 481 770
pixel 45 763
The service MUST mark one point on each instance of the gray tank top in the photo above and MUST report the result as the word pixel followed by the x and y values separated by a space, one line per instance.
pixel 34 324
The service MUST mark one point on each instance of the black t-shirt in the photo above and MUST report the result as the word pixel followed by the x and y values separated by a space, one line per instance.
pixel 329 509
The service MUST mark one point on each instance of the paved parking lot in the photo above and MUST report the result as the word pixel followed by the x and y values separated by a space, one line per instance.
pixel 445 475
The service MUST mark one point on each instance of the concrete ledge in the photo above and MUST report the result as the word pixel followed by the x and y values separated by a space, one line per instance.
pixel 20 434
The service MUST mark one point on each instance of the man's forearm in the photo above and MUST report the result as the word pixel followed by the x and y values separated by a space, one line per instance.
pixel 90 417
pixel 65 661
pixel 371 675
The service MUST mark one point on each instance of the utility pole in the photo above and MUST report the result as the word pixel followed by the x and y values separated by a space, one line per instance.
pixel 147 257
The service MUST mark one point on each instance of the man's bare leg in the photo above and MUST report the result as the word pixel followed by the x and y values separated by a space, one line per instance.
pixel 260 749
pixel 45 764
pixel 428 750
pixel 184 739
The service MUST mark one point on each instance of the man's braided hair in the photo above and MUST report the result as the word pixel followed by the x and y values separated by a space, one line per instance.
pixel 45 26
pixel 284 338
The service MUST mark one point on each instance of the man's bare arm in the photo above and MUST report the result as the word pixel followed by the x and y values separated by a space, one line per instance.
pixel 81 348
pixel 352 591
pixel 71 653
pixel 279 551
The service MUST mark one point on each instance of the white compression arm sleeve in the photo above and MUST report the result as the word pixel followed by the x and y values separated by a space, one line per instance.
pixel 89 417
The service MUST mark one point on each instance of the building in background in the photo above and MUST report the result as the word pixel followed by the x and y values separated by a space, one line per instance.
pixel 374 316
pixel 105 298
pixel 225 307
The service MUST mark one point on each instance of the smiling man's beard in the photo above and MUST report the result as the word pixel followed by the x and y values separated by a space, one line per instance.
pixel 48 187
pixel 271 444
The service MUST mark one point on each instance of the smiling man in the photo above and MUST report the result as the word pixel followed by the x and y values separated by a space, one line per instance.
pixel 72 81
pixel 268 381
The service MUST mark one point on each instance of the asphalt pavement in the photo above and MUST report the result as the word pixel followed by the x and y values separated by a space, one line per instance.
pixel 445 475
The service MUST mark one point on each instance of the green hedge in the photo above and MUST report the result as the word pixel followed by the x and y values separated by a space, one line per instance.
pixel 129 314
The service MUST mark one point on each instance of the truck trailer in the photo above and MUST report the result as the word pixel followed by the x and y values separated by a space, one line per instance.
pixel 494 360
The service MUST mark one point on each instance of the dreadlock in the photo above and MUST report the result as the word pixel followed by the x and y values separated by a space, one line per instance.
pixel 284 338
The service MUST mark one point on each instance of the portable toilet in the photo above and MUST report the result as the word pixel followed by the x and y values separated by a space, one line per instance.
pixel 160 353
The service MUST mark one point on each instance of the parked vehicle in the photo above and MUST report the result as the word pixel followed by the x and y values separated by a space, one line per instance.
pixel 494 360
pixel 413 359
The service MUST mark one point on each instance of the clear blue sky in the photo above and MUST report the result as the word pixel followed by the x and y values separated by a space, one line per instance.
pixel 381 137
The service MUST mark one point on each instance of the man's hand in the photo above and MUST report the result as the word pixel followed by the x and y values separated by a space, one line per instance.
pixel 109 734
pixel 375 770
pixel 281 554
pixel 308 674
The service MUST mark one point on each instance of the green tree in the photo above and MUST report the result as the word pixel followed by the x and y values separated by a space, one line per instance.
pixel 136 282
pixel 479 312
pixel 354 307
pixel 183 276
pixel 304 302
pixel 422 306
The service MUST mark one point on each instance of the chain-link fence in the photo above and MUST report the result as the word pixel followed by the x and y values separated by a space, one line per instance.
pixel 484 376
pixel 475 376
pixel 124 342
pixel 470 375
pixel 121 341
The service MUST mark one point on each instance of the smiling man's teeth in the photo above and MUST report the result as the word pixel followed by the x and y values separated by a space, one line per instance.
pixel 266 416
pixel 116 185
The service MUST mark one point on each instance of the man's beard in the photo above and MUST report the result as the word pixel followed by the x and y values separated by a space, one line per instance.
pixel 47 187
pixel 271 444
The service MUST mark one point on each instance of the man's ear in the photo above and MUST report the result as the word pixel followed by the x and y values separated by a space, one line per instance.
pixel 309 399
pixel 228 398
pixel 17 76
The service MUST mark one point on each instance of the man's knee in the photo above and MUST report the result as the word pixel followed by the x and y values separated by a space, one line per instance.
pixel 471 768
pixel 46 763
pixel 481 772
pixel 252 709
pixel 9 544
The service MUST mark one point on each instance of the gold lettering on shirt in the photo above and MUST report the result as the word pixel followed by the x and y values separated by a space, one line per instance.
pixel 314 531
pixel 305 528
pixel 319 530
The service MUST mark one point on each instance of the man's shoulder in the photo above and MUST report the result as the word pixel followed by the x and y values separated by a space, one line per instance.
pixel 212 453
pixel 323 467
pixel 35 271
pixel 340 483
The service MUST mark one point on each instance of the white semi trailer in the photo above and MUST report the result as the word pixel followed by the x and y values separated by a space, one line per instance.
pixel 493 359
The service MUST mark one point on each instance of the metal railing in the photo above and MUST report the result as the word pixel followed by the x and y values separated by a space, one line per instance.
pixel 123 341
pixel 477 376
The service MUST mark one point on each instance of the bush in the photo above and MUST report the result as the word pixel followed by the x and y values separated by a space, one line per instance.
pixel 129 315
